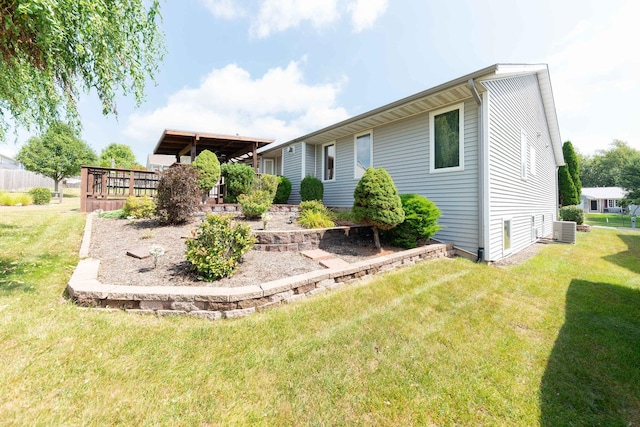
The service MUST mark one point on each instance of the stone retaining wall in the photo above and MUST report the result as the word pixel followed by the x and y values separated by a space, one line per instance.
pixel 235 209
pixel 302 240
pixel 217 302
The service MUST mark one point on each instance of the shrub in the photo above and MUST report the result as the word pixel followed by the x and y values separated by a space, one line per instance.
pixel 139 207
pixel 255 203
pixel 283 191
pixel 313 205
pixel 572 213
pixel 218 246
pixel 15 199
pixel 238 179
pixel 315 219
pixel 41 196
pixel 208 168
pixel 178 194
pixel 268 183
pixel 420 222
pixel 118 214
pixel 376 202
pixel 311 188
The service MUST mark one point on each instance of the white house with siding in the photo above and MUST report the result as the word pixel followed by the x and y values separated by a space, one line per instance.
pixel 484 147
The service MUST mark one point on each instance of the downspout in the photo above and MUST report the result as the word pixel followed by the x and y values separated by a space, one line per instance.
pixel 481 195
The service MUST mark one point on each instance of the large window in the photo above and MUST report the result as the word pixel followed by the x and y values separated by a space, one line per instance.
pixel 447 139
pixel 329 161
pixel 363 153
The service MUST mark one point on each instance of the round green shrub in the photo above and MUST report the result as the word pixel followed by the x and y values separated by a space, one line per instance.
pixel 238 179
pixel 268 183
pixel 208 168
pixel 283 192
pixel 311 188
pixel 255 203
pixel 420 222
pixel 41 196
pixel 376 202
pixel 572 213
pixel 178 194
pixel 139 207
pixel 218 246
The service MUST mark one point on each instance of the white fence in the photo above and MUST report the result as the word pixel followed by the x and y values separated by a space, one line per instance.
pixel 22 180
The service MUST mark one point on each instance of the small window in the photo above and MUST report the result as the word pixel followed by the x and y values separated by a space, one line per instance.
pixel 506 235
pixel 446 129
pixel 532 161
pixel 328 161
pixel 523 154
pixel 363 153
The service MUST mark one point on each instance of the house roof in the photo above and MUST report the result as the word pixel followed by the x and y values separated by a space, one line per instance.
pixel 603 193
pixel 178 142
pixel 435 97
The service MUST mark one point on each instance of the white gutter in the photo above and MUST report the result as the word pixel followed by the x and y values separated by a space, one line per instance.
pixel 481 174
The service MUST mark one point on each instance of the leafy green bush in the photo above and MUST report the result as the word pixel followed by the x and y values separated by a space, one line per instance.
pixel 315 219
pixel 572 213
pixel 218 247
pixel 266 182
pixel 208 168
pixel 376 202
pixel 40 195
pixel 139 207
pixel 284 191
pixel 15 199
pixel 420 222
pixel 117 214
pixel 255 203
pixel 311 188
pixel 178 194
pixel 313 205
pixel 238 179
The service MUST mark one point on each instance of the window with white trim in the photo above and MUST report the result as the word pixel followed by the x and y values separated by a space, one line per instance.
pixel 506 235
pixel 523 154
pixel 329 161
pixel 613 203
pixel 446 139
pixel 362 153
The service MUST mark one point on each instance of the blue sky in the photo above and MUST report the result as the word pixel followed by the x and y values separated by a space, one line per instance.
pixel 281 68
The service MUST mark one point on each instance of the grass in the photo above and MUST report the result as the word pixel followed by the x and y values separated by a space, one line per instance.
pixel 553 341
pixel 609 219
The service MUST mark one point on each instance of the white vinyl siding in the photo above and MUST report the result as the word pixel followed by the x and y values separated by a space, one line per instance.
pixel 292 169
pixel 523 154
pixel 515 106
pixel 362 153
pixel 532 159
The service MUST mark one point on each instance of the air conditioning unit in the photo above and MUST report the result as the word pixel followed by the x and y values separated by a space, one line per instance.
pixel 564 231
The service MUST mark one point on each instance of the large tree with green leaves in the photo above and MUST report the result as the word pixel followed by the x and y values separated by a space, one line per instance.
pixel 630 181
pixel 53 49
pixel 57 154
pixel 121 155
pixel 604 168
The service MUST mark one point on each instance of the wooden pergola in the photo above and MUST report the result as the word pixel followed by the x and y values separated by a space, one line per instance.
pixel 226 147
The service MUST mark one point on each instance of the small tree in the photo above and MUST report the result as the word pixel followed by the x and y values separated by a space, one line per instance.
pixel 120 154
pixel 178 194
pixel 568 194
pixel 238 178
pixel 571 159
pixel 208 168
pixel 376 202
pixel 311 188
pixel 57 154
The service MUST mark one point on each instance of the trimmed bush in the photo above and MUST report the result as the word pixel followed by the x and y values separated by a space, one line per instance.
pixel 208 168
pixel 572 213
pixel 40 196
pixel 311 188
pixel 376 202
pixel 313 214
pixel 255 203
pixel 268 183
pixel 283 192
pixel 178 194
pixel 218 246
pixel 139 207
pixel 238 178
pixel 420 222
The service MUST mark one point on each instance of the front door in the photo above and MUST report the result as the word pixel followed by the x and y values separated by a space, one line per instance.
pixel 268 166
pixel 594 206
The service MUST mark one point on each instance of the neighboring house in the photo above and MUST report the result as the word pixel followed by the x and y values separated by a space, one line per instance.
pixel 603 199
pixel 7 162
pixel 484 147
pixel 159 162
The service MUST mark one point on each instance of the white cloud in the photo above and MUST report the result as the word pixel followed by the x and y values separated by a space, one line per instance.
pixel 225 9
pixel 279 15
pixel 278 105
pixel 595 80
pixel 364 13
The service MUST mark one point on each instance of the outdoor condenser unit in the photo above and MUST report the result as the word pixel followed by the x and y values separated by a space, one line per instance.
pixel 564 231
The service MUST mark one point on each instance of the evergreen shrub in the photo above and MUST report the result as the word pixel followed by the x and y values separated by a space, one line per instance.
pixel 255 203
pixel 218 246
pixel 178 195
pixel 420 222
pixel 283 191
pixel 311 188
pixel 40 195
pixel 238 179
pixel 208 168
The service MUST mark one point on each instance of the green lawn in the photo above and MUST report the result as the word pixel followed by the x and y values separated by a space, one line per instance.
pixel 609 220
pixel 552 342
